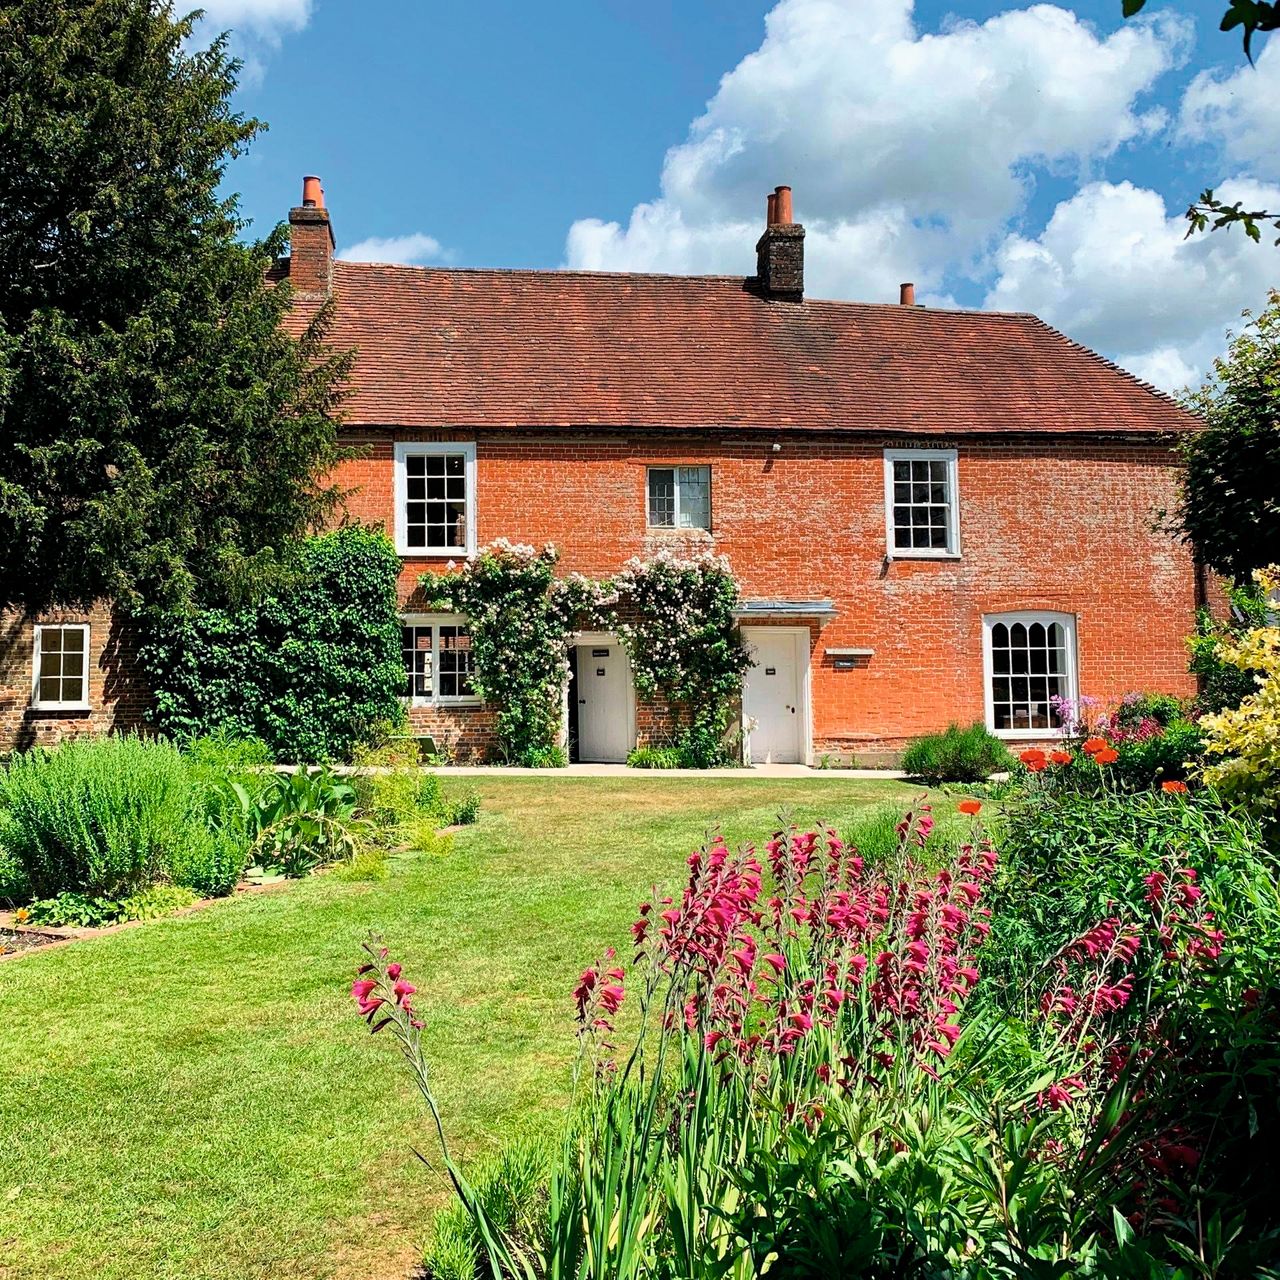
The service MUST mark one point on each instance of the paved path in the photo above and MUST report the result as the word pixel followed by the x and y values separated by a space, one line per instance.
pixel 623 771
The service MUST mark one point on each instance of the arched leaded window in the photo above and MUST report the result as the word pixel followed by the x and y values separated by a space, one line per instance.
pixel 1030 662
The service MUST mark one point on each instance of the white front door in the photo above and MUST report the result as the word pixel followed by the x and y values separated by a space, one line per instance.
pixel 603 690
pixel 772 696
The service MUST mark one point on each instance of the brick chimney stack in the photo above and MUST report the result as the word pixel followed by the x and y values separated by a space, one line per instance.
pixel 780 251
pixel 311 244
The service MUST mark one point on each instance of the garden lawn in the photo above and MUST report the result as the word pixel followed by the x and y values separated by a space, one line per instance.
pixel 195 1097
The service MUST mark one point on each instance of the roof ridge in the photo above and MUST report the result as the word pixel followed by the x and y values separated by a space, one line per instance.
pixel 541 271
pixel 681 277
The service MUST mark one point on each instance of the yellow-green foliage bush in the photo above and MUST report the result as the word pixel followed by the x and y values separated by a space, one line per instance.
pixel 1246 740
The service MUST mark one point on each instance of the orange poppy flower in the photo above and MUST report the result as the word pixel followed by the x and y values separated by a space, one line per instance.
pixel 975 806
pixel 1093 745
pixel 1060 757
pixel 1032 755
pixel 1108 755
pixel 1179 788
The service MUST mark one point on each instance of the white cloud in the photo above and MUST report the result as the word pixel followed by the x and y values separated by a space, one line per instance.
pixel 268 19
pixel 1115 270
pixel 256 28
pixel 1239 111
pixel 907 151
pixel 409 250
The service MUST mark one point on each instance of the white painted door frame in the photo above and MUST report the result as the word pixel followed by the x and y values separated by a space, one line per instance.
pixel 601 639
pixel 800 640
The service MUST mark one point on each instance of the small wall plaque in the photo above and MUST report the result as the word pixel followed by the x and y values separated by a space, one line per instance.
pixel 771 671
pixel 599 671
pixel 599 653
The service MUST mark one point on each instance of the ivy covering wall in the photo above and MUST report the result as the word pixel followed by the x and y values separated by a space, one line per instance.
pixel 311 667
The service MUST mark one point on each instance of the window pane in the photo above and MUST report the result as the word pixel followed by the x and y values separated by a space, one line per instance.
pixel 436 506
pixel 50 689
pixel 662 497
pixel 456 662
pixel 416 643
pixel 922 504
pixel 695 497
pixel 1028 668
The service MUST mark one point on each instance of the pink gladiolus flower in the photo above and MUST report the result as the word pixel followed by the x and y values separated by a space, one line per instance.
pixel 393 972
pixel 402 990
pixel 775 962
pixel 360 989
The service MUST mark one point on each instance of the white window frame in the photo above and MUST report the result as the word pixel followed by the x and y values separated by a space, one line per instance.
pixel 435 621
pixel 949 456
pixel 82 704
pixel 676 468
pixel 405 449
pixel 1027 616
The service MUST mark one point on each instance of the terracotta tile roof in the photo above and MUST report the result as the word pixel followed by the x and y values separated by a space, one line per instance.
pixel 558 348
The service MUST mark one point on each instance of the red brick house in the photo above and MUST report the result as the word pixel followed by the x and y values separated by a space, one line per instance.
pixel 934 515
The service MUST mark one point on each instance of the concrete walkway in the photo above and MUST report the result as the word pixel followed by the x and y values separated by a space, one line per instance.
pixel 622 771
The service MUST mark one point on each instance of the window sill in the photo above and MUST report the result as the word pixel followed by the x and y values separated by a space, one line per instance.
pixel 60 709
pixel 1027 735
pixel 922 555
pixel 676 531
pixel 424 704
pixel 431 553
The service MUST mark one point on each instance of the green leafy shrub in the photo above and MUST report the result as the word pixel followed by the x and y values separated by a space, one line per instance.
pixel 656 758
pixel 1162 709
pixel 78 911
pixel 300 821
pixel 368 866
pixel 307 669
pixel 463 807
pixel 1163 757
pixel 104 817
pixel 1225 685
pixel 970 754
pixel 13 879
pixel 1071 858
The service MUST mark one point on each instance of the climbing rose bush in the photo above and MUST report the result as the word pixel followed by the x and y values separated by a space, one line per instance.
pixel 521 617
pixel 674 615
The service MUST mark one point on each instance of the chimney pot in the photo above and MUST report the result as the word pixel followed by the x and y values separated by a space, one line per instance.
pixel 780 252
pixel 907 295
pixel 311 244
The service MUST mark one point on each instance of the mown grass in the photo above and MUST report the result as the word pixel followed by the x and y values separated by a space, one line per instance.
pixel 194 1098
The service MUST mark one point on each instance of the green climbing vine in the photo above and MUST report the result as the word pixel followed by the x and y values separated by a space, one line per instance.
pixel 672 613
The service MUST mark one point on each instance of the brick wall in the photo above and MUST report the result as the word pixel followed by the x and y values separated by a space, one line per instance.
pixel 1045 524
pixel 117 696
pixel 1065 525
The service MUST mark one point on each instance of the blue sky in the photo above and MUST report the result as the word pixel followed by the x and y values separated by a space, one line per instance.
pixel 1032 158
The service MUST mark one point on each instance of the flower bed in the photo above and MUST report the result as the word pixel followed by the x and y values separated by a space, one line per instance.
pixel 802 1063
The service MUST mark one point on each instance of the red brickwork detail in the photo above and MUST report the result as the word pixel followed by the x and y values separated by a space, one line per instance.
pixel 118 697
pixel 466 734
pixel 1051 524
